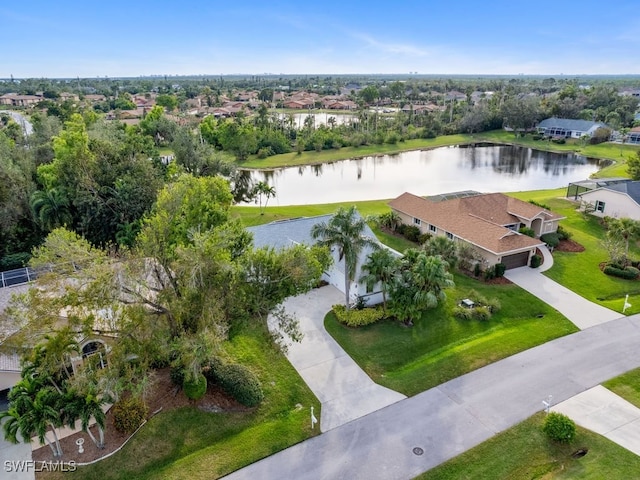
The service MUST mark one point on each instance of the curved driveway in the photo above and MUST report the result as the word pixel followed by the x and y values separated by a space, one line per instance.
pixel 460 414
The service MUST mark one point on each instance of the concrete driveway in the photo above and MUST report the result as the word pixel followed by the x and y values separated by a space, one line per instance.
pixel 579 310
pixel 15 460
pixel 604 412
pixel 344 389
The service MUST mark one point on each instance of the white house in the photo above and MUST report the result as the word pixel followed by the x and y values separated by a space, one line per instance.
pixel 620 200
pixel 283 234
pixel 568 128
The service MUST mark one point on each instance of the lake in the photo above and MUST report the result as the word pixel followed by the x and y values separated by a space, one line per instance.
pixel 494 168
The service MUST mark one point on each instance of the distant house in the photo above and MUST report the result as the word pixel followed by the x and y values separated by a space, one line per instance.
pixel 634 136
pixel 284 234
pixel 568 128
pixel 618 200
pixel 296 104
pixel 488 222
pixel 16 100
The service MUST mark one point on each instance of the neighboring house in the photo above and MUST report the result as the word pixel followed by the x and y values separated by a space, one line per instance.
pixel 286 233
pixel 620 200
pixel 568 128
pixel 9 370
pixel 20 100
pixel 488 222
pixel 634 136
pixel 576 189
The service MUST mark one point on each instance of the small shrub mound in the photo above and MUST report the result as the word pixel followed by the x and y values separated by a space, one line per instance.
pixel 551 239
pixel 559 427
pixel 529 232
pixel 128 414
pixel 357 318
pixel 628 273
pixel 536 261
pixel 195 389
pixel 176 374
pixel 476 313
pixel 563 234
pixel 241 383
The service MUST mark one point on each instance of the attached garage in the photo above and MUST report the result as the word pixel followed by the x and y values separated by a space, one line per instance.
pixel 516 260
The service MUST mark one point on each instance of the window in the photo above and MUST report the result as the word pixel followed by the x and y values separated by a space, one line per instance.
pixel 599 206
pixel 513 226
pixel 450 236
pixel 416 221
pixel 432 228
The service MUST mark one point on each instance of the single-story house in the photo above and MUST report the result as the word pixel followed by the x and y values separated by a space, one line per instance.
pixel 286 233
pixel 488 222
pixel 634 136
pixel 20 100
pixel 568 128
pixel 619 200
pixel 576 189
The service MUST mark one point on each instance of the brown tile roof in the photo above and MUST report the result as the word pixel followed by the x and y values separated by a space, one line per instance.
pixel 478 219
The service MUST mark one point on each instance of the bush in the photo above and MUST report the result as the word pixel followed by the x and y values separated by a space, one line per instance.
pixel 265 152
pixel 541 205
pixel 490 273
pixel 240 382
pixel 527 231
pixel 177 374
pixel 536 261
pixel 551 239
pixel 563 234
pixel 211 369
pixel 424 238
pixel 476 313
pixel 477 270
pixel 559 141
pixel 357 318
pixel 128 414
pixel 628 273
pixel 559 427
pixel 500 268
pixel 14 260
pixel 195 389
pixel 537 136
pixel 411 233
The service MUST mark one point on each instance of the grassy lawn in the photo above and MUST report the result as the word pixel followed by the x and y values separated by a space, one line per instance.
pixel 524 452
pixel 580 272
pixel 627 386
pixel 189 443
pixel 439 347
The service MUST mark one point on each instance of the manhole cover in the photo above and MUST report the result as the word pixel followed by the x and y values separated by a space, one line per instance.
pixel 418 450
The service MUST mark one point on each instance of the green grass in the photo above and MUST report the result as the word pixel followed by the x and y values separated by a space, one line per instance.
pixel 610 151
pixel 189 443
pixel 627 386
pixel 439 347
pixel 524 452
pixel 580 272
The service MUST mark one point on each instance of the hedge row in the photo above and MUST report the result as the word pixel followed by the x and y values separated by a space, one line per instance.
pixel 237 380
pixel 357 318
pixel 628 273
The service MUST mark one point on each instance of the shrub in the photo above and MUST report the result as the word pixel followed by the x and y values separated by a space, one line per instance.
pixel 537 136
pixel 128 414
pixel 500 268
pixel 541 205
pixel 536 261
pixel 195 389
pixel 490 273
pixel 357 318
pixel 411 233
pixel 563 234
pixel 424 238
pixel 14 260
pixel 265 152
pixel 551 239
pixel 211 369
pixel 559 427
pixel 176 374
pixel 476 313
pixel 559 141
pixel 477 270
pixel 527 231
pixel 628 273
pixel 241 383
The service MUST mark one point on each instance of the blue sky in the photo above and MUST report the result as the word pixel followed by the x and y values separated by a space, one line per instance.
pixel 65 38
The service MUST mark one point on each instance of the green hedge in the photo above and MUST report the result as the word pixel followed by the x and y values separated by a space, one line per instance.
pixel 128 414
pixel 241 383
pixel 551 239
pixel 536 261
pixel 628 273
pixel 357 318
pixel 195 389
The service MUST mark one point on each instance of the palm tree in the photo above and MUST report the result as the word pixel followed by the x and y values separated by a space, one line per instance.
pixel 626 228
pixel 50 208
pixel 84 408
pixel 380 267
pixel 441 245
pixel 345 232
pixel 262 188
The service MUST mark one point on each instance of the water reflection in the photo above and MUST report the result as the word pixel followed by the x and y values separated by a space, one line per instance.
pixel 501 168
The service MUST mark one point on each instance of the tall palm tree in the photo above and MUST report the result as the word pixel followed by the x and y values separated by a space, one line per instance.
pixel 626 228
pixel 263 188
pixel 345 232
pixel 380 267
pixel 84 408
pixel 50 208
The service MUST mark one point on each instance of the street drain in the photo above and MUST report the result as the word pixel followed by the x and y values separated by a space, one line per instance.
pixel 418 451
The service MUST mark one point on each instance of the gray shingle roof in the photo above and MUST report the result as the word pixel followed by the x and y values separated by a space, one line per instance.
pixel 569 124
pixel 630 188
pixel 285 233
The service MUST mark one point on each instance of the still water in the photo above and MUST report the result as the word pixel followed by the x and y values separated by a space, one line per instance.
pixel 501 168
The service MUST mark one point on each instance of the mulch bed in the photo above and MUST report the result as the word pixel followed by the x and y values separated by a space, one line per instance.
pixel 163 396
pixel 569 246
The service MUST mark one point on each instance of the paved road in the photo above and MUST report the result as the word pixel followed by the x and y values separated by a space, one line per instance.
pixel 27 127
pixel 460 414
pixel 344 389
